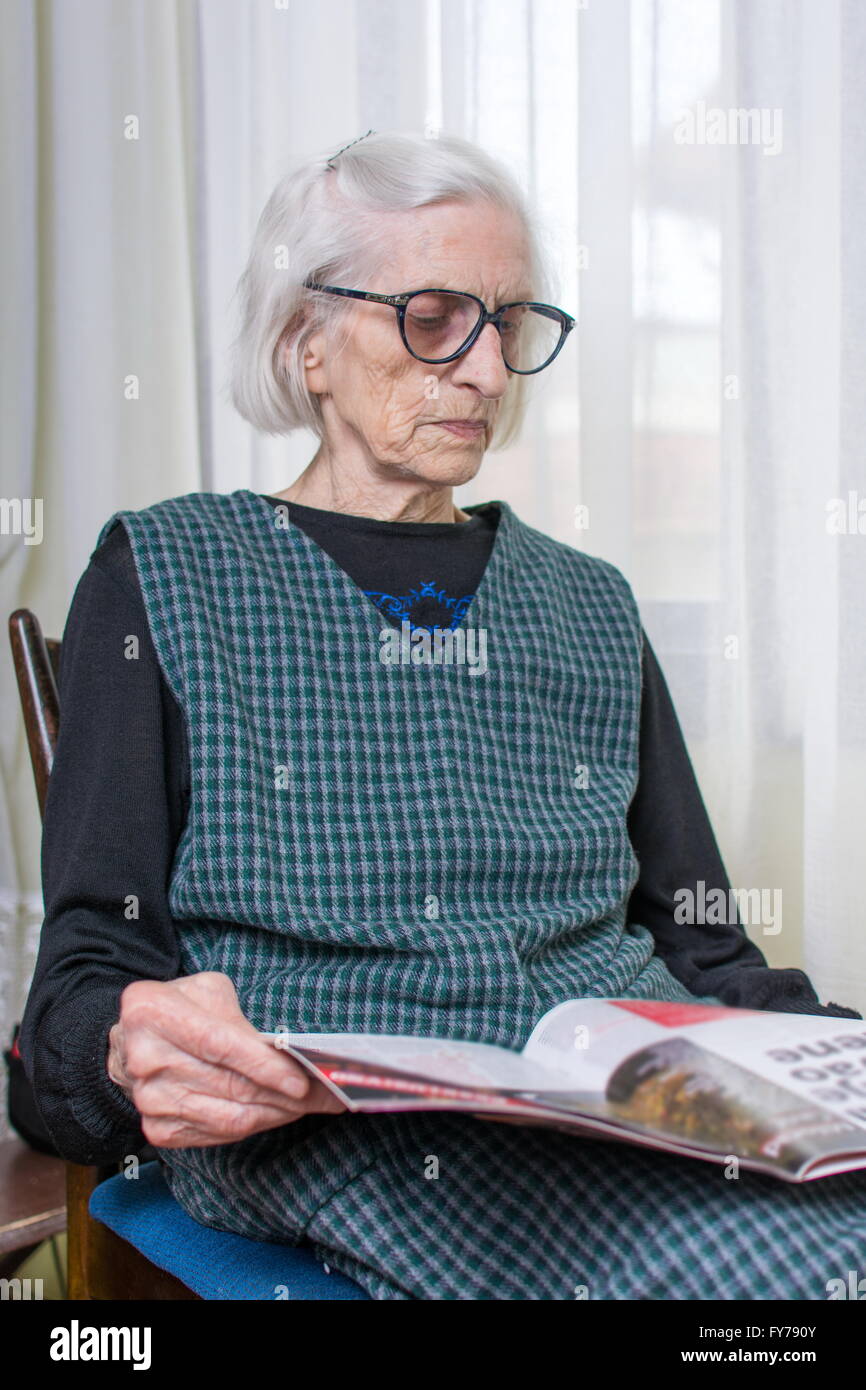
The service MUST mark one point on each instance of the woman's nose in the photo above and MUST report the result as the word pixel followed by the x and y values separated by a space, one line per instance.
pixel 483 366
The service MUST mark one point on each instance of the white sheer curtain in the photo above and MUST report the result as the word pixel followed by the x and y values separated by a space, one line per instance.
pixel 707 410
pixel 98 383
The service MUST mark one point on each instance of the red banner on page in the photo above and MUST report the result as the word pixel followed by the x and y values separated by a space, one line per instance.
pixel 676 1015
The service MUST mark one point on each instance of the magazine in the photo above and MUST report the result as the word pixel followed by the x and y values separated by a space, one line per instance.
pixel 784 1094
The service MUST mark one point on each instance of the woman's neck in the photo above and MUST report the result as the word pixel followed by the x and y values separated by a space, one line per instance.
pixel 320 486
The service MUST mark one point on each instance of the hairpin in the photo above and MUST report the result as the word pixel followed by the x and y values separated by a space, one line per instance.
pixel 348 147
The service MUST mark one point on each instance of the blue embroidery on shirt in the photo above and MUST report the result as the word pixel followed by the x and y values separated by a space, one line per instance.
pixel 401 606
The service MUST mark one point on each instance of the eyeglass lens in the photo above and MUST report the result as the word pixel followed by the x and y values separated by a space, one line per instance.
pixel 438 323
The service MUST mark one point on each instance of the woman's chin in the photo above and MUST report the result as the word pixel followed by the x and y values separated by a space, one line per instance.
pixel 447 468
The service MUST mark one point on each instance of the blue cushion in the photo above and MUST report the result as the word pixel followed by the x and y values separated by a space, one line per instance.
pixel 214 1264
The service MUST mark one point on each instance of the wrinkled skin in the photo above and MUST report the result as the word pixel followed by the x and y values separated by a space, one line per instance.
pixel 383 454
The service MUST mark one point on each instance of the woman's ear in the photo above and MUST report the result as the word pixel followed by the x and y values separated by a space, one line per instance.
pixel 314 363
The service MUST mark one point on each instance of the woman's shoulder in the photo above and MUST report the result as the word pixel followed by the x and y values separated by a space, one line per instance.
pixel 183 520
pixel 568 560
pixel 112 559
pixel 113 555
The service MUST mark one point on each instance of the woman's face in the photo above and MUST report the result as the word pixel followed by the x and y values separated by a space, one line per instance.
pixel 382 408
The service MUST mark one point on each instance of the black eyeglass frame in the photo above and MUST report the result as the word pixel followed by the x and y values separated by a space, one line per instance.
pixel 400 301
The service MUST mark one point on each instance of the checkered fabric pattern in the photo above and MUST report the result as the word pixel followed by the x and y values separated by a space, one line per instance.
pixel 448 1206
pixel 419 849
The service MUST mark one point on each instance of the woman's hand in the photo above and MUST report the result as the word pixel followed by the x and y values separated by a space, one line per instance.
pixel 197 1070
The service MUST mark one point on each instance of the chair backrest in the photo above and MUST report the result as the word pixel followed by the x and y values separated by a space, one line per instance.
pixel 37 669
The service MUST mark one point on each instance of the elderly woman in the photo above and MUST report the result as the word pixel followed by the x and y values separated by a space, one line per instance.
pixel 256 822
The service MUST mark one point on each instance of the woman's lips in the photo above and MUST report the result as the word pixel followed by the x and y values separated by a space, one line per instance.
pixel 464 429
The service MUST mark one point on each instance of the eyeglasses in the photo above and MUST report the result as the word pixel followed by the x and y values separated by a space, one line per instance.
pixel 440 325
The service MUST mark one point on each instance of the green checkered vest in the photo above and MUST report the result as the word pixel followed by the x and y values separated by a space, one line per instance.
pixel 407 847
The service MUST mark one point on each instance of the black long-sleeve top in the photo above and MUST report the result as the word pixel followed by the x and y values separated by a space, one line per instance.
pixel 119 790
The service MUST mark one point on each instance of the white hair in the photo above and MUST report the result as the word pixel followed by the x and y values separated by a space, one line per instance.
pixel 325 224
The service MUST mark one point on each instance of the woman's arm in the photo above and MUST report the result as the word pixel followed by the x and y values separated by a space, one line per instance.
pixel 113 813
pixel 676 848
pixel 118 1051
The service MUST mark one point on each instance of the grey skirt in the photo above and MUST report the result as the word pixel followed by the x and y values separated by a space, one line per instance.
pixel 447 1206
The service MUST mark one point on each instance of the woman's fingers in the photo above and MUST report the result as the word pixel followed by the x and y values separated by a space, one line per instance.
pixel 159 1063
pixel 197 1070
pixel 170 1120
pixel 149 1013
pixel 215 1126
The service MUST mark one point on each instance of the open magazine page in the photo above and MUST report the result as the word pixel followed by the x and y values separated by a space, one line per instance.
pixel 783 1090
pixel 379 1072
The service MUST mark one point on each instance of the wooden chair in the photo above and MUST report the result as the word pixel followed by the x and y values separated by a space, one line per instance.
pixel 32 1202
pixel 101 1265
